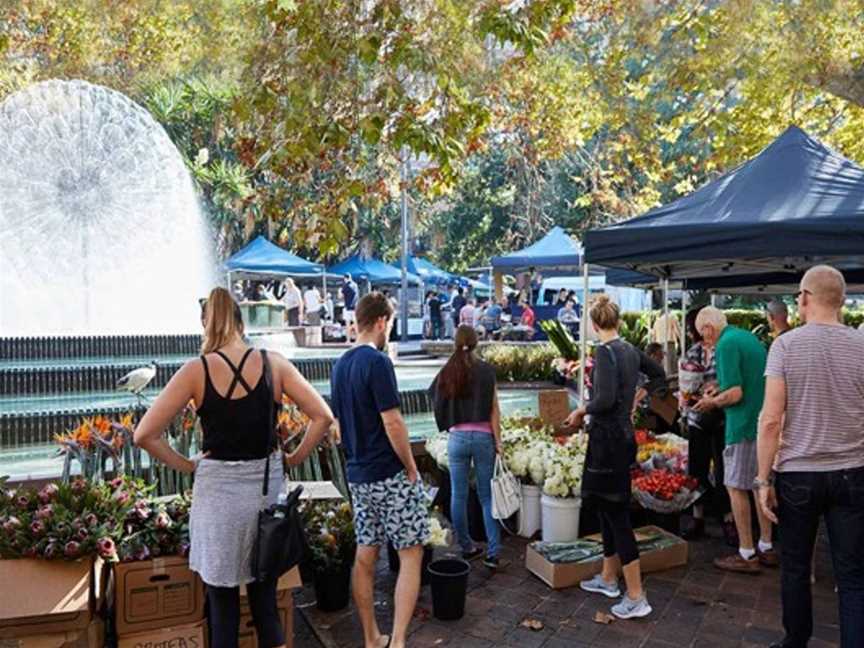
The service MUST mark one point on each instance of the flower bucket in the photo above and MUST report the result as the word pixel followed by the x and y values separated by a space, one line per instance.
pixel 560 518
pixel 529 512
pixel 449 588
pixel 333 589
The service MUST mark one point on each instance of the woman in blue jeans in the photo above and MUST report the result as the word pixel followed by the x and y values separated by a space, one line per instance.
pixel 466 405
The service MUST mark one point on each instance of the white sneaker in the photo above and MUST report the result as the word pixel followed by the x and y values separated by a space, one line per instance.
pixel 599 586
pixel 630 609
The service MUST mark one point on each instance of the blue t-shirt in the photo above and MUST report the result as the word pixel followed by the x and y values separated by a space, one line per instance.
pixel 349 295
pixel 363 385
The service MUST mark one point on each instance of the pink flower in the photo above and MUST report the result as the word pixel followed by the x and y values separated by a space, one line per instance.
pixel 163 521
pixel 45 512
pixel 37 527
pixel 79 485
pixel 106 548
pixel 82 534
pixel 22 501
pixel 48 493
pixel 91 520
pixel 72 549
pixel 11 524
pixel 142 511
pixel 51 550
pixel 116 483
pixel 121 497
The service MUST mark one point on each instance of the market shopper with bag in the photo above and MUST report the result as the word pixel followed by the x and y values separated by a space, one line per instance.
pixel 236 390
pixel 611 452
pixel 465 401
pixel 811 442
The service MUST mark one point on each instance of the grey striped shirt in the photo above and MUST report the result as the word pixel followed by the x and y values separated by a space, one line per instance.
pixel 823 367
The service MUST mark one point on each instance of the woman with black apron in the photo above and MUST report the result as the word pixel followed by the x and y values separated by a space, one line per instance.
pixel 611 453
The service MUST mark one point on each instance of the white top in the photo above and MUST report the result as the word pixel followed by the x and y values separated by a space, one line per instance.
pixel 291 298
pixel 312 299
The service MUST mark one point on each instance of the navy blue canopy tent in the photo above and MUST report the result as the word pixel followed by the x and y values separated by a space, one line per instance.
pixel 261 257
pixel 797 203
pixel 372 270
pixel 427 271
pixel 556 250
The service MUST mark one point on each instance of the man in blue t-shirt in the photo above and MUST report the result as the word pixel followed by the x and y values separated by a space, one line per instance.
pixel 389 502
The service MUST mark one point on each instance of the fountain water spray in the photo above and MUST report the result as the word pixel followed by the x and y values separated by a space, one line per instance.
pixel 100 227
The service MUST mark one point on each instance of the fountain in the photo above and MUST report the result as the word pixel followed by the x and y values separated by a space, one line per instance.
pixel 100 229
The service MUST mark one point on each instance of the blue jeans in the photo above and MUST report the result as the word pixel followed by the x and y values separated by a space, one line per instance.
pixel 462 449
pixel 803 498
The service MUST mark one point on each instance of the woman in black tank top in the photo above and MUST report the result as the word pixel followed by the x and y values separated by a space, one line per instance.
pixel 238 392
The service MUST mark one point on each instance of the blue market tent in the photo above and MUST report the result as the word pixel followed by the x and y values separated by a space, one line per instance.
pixel 427 271
pixel 554 251
pixel 372 270
pixel 263 257
pixel 795 204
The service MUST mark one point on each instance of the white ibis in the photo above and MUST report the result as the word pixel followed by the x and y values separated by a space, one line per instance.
pixel 137 380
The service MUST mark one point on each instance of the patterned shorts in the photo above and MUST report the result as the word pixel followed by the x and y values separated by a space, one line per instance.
pixel 393 509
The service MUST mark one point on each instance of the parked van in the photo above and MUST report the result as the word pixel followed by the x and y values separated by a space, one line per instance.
pixel 628 299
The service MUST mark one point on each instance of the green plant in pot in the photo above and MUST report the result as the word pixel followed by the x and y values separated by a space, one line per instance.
pixel 329 528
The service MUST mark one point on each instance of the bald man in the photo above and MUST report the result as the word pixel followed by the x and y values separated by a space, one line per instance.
pixel 815 396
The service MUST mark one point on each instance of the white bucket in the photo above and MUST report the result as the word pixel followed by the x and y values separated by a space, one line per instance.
pixel 529 511
pixel 560 518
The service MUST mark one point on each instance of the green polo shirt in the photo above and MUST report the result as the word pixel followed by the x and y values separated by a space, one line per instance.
pixel 740 359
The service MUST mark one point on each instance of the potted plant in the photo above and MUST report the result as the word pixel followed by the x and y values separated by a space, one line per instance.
pixel 329 528
pixel 561 502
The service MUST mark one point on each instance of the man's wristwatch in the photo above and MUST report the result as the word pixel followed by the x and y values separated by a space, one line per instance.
pixel 759 484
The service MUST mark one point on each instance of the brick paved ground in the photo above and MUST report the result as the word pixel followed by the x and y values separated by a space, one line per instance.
pixel 694 605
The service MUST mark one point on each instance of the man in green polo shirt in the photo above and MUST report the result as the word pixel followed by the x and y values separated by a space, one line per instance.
pixel 740 361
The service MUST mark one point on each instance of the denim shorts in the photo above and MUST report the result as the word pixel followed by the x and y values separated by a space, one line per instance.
pixel 393 509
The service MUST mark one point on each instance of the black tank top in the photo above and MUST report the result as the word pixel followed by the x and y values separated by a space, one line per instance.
pixel 238 429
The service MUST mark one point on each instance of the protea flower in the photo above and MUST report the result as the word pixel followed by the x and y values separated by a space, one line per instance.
pixel 163 521
pixel 37 527
pixel 79 485
pixel 116 483
pixel 45 512
pixel 82 534
pixel 51 550
pixel 106 548
pixel 142 510
pixel 72 549
pixel 121 497
pixel 22 501
pixel 48 493
pixel 11 524
pixel 91 520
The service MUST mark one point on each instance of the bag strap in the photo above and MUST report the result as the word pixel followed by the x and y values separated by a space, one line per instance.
pixel 268 382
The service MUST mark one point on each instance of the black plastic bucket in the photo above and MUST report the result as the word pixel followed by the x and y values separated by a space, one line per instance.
pixel 449 578
pixel 333 590
pixel 393 562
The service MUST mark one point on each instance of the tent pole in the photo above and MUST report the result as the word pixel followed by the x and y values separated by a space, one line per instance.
pixel 583 335
pixel 668 361
pixel 684 304
pixel 324 287
pixel 403 297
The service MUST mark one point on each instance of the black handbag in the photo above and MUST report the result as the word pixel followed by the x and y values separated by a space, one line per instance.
pixel 280 543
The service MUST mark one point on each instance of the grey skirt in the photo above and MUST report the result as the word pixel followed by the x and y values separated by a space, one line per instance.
pixel 223 523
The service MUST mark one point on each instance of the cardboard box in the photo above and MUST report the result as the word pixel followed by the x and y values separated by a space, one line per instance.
pixel 192 635
pixel 315 490
pixel 248 636
pixel 284 598
pixel 41 597
pixel 155 594
pixel 554 405
pixel 561 575
pixel 93 636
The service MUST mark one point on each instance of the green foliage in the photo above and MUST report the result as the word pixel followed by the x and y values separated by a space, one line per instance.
pixel 636 328
pixel 513 363
pixel 559 336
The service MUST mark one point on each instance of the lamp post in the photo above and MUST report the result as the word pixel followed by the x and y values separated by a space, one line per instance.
pixel 403 297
